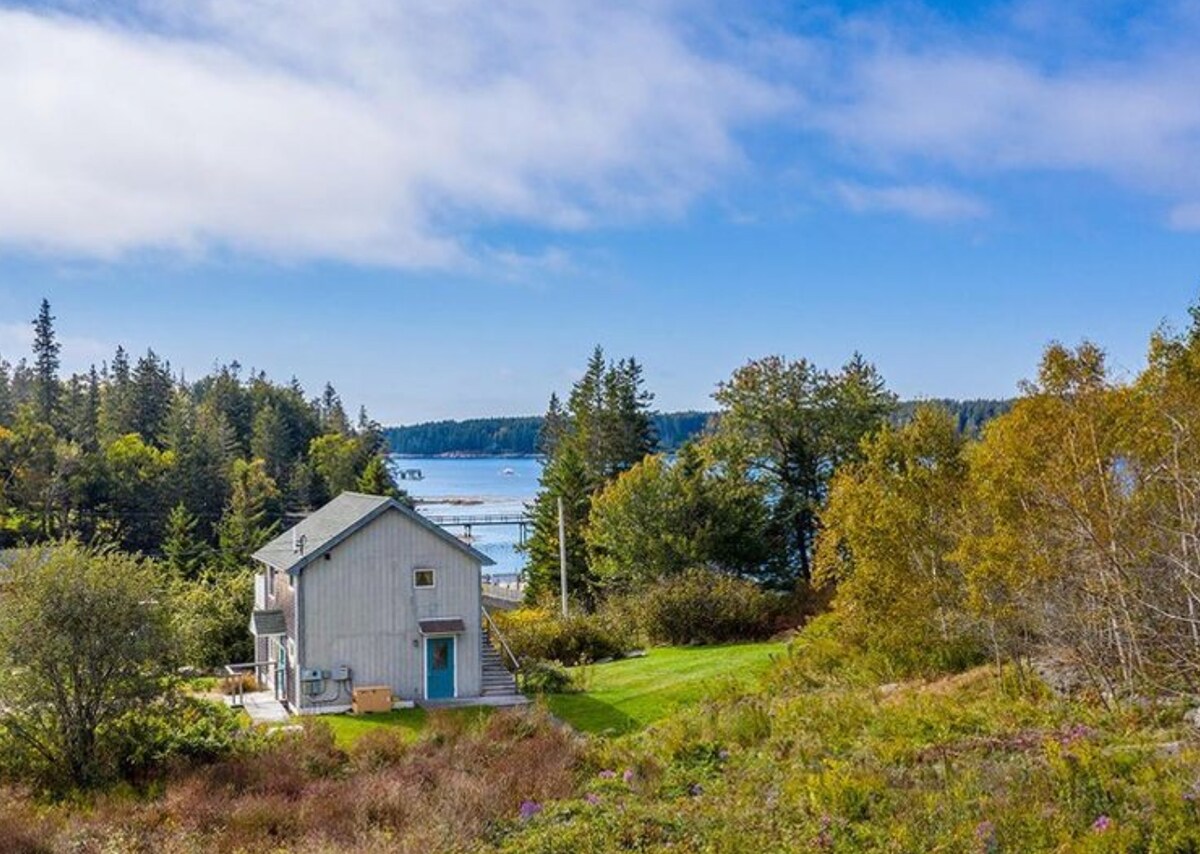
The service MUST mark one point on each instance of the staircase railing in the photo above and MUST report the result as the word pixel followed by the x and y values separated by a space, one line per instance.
pixel 235 679
pixel 493 631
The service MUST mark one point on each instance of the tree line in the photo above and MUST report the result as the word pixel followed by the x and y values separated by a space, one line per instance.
pixel 1071 528
pixel 518 436
pixel 743 497
pixel 1064 533
pixel 194 474
pixel 515 436
pixel 134 455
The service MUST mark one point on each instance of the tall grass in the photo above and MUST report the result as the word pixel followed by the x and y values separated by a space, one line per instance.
pixel 302 792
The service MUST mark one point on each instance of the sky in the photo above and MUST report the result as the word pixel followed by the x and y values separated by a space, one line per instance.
pixel 442 206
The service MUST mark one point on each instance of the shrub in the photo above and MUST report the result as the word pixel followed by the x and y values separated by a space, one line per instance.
pixel 177 730
pixel 702 606
pixel 538 634
pixel 85 639
pixel 246 681
pixel 211 614
pixel 378 749
pixel 546 677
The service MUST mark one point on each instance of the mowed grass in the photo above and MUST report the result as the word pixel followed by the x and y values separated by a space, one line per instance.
pixel 626 695
pixel 410 723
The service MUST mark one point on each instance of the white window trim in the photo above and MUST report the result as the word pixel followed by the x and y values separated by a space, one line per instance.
pixel 432 575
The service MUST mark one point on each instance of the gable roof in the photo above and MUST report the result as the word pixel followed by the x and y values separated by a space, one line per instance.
pixel 349 512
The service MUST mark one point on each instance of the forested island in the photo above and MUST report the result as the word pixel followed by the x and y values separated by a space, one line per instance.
pixel 518 436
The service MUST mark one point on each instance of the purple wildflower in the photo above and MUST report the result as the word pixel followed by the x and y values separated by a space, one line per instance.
pixel 723 755
pixel 697 790
pixel 825 837
pixel 1101 824
pixel 529 809
pixel 627 776
pixel 985 835
pixel 592 798
pixel 1076 733
pixel 607 774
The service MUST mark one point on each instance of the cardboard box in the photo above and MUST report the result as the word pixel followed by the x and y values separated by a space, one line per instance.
pixel 371 698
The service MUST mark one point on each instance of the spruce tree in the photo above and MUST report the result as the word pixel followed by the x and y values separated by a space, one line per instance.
pixel 151 397
pixel 333 415
pixel 116 404
pixel 253 514
pixel 183 548
pixel 270 441
pixel 605 429
pixel 376 479
pixel 45 367
pixel 6 398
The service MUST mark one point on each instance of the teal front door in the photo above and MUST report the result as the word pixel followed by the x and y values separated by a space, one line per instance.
pixel 439 668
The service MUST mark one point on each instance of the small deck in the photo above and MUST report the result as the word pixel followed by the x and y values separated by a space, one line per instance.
pixel 261 706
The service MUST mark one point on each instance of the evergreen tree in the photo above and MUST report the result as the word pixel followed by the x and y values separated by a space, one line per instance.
pixel 253 514
pixel 22 385
pixel 151 400
pixel 790 425
pixel 116 404
pixel 87 427
pixel 183 548
pixel 223 394
pixel 564 476
pixel 45 351
pixel 270 441
pixel 6 395
pixel 304 488
pixel 204 448
pixel 333 416
pixel 605 430
pixel 376 479
pixel 552 427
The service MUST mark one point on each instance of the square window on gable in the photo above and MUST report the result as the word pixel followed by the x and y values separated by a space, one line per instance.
pixel 423 578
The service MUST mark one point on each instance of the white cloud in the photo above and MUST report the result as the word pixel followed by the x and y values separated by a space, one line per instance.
pixel 918 201
pixel 1185 217
pixel 402 134
pixel 366 131
pixel 894 99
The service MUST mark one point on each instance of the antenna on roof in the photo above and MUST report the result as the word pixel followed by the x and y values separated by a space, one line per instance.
pixel 297 543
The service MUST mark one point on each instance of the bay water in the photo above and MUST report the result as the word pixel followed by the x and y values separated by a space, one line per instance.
pixel 475 486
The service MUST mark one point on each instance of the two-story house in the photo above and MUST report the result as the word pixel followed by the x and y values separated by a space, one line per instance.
pixel 365 591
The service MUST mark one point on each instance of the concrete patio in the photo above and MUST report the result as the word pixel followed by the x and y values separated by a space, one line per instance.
pixel 262 707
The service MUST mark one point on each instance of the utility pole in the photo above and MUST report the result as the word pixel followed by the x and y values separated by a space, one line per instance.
pixel 562 555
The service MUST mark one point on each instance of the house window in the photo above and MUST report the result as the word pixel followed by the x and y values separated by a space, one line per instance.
pixel 271 580
pixel 423 578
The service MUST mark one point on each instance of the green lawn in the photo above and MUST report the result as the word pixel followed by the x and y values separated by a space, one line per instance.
pixel 626 695
pixel 348 728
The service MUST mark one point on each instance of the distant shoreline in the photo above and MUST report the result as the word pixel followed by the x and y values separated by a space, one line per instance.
pixel 465 455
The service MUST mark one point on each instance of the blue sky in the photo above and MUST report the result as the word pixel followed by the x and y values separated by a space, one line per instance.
pixel 442 205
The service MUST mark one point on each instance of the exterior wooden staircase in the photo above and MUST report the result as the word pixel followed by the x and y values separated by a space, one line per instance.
pixel 498 679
